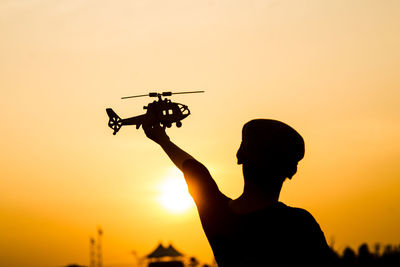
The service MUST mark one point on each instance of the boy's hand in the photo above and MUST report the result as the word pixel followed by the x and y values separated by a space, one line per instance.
pixel 155 133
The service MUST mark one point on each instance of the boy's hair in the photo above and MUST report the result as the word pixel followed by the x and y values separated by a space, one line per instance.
pixel 275 142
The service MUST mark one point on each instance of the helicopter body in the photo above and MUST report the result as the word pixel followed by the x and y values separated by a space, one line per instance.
pixel 162 111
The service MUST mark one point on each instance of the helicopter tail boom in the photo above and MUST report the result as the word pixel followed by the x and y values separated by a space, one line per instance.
pixel 138 120
pixel 115 122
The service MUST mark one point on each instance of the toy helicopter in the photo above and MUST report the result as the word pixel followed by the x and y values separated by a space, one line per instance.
pixel 162 111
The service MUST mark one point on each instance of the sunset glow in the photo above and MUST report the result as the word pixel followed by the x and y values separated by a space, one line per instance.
pixel 329 69
pixel 174 195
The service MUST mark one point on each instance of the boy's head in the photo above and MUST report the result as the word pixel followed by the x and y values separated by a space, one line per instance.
pixel 271 146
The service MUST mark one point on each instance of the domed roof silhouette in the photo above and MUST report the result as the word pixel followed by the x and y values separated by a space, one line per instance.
pixel 162 251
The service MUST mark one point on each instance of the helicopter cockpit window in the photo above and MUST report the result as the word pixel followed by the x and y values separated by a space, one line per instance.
pixel 167 112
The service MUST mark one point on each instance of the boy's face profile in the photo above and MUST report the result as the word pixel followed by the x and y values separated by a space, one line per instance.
pixel 239 154
pixel 251 152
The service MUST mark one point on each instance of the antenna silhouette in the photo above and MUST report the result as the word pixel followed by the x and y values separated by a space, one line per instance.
pixel 95 252
pixel 99 248
pixel 92 252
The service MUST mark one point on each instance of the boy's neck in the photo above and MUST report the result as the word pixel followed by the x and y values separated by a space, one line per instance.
pixel 256 197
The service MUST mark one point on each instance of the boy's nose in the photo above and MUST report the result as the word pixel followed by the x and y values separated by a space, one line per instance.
pixel 239 155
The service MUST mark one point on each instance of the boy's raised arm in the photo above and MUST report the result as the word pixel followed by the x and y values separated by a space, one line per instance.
pixel 175 153
pixel 201 185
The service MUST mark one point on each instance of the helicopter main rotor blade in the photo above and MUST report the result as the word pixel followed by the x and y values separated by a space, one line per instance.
pixel 162 94
pixel 132 96
pixel 189 92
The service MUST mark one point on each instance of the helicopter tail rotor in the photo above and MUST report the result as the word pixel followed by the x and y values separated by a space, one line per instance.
pixel 115 121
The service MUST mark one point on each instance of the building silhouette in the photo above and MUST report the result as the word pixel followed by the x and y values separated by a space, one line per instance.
pixel 165 257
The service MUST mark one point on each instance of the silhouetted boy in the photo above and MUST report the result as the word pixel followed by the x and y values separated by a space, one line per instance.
pixel 255 229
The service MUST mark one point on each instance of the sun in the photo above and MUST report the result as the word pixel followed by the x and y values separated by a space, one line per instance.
pixel 174 195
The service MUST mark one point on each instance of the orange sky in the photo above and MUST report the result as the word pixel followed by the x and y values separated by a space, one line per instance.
pixel 330 69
